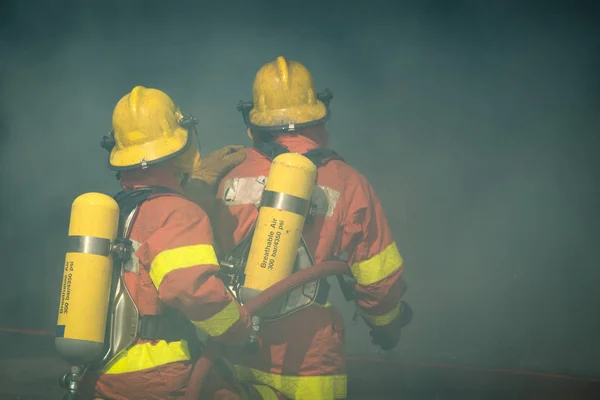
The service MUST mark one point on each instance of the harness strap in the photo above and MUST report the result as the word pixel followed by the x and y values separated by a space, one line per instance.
pixel 163 327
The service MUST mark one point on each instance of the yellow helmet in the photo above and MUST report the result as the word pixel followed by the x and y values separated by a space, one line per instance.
pixel 148 128
pixel 284 99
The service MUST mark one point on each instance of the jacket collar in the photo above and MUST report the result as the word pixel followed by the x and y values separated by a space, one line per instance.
pixel 308 139
pixel 153 176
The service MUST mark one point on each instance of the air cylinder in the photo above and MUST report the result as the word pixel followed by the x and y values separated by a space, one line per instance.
pixel 284 206
pixel 87 278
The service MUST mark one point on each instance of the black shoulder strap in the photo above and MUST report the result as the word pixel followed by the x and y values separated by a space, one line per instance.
pixel 321 156
pixel 271 149
pixel 128 200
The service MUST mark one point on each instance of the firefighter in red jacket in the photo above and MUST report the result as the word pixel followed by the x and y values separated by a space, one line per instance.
pixel 172 270
pixel 302 354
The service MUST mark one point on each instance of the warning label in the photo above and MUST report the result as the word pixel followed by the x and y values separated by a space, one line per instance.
pixel 65 295
pixel 273 238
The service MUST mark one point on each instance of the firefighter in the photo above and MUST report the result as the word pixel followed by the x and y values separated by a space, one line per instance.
pixel 171 275
pixel 301 354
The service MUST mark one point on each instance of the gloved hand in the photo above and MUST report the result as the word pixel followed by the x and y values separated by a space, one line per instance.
pixel 388 337
pixel 218 163
pixel 384 340
pixel 201 185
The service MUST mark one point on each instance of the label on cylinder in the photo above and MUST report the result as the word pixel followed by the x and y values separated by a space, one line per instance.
pixel 65 294
pixel 274 247
pixel 272 243
pixel 84 297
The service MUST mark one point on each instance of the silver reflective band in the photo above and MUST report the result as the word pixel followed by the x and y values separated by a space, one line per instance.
pixel 286 202
pixel 88 245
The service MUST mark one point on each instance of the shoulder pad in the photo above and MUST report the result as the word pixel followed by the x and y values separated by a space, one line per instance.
pixel 128 200
pixel 270 149
pixel 321 156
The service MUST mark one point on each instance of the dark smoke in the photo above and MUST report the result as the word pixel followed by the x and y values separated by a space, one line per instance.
pixel 476 123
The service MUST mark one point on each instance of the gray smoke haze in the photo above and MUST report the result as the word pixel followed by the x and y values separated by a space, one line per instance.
pixel 475 124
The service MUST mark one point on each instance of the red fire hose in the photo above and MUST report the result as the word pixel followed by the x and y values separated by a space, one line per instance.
pixel 282 287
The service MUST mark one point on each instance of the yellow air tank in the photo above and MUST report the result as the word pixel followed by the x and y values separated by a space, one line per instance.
pixel 283 210
pixel 87 276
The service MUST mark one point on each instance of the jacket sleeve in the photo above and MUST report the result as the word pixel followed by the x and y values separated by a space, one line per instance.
pixel 374 258
pixel 183 266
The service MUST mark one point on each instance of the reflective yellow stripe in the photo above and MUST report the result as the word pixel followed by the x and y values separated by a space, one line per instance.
pixel 377 267
pixel 221 321
pixel 382 320
pixel 146 355
pixel 326 387
pixel 181 257
pixel 266 393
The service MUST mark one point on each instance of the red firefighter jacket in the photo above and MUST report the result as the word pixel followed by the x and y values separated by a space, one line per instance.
pixel 302 354
pixel 174 265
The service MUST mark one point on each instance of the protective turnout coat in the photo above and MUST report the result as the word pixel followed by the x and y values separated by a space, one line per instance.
pixel 174 267
pixel 301 355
